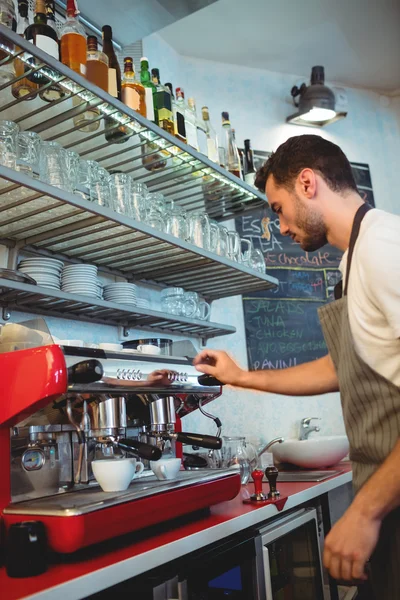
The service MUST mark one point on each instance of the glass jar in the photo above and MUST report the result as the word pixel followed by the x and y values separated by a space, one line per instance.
pixel 240 455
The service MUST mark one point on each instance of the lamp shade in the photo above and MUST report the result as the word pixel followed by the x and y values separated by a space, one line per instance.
pixel 316 105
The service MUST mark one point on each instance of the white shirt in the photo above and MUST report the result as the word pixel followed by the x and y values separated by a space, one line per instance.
pixel 374 293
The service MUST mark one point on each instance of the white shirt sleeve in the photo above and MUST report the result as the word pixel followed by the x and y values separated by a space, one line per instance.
pixel 380 259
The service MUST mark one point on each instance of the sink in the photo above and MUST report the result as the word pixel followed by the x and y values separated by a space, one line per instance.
pixel 316 452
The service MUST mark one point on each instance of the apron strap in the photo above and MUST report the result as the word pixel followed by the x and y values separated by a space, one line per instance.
pixel 355 230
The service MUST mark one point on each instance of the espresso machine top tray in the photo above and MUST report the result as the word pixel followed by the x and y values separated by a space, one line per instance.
pixel 88 500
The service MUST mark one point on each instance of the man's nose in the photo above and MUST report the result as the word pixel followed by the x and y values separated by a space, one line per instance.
pixel 283 227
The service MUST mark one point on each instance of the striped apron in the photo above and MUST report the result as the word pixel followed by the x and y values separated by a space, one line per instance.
pixel 371 412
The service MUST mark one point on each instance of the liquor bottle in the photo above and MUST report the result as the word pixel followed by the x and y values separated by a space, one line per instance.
pixel 212 142
pixel 97 73
pixel 133 92
pixel 115 133
pixel 240 154
pixel 191 124
pixel 23 88
pixel 44 37
pixel 73 41
pixel 178 112
pixel 228 152
pixel 8 19
pixel 149 88
pixel 163 103
pixel 249 171
pixel 54 91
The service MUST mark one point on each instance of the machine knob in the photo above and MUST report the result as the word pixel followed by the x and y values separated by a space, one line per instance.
pixel 118 373
pixel 139 375
pixel 124 374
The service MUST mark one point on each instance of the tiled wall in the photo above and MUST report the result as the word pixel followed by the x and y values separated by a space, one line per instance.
pixel 258 102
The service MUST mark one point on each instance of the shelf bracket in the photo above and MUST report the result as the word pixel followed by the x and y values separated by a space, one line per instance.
pixel 5 314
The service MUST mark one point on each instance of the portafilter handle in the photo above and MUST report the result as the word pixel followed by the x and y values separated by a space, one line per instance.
pixel 86 371
pixel 196 439
pixel 209 380
pixel 143 450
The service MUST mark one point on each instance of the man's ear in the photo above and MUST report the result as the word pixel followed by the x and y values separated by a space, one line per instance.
pixel 307 182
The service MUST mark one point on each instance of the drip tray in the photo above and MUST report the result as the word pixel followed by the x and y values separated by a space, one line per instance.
pixel 304 476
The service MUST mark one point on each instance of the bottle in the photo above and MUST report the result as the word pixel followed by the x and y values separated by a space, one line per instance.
pixel 163 103
pixel 23 88
pixel 54 91
pixel 228 152
pixel 149 88
pixel 133 92
pixel 8 19
pixel 178 109
pixel 115 133
pixel 240 154
pixel 249 171
pixel 73 41
pixel 212 142
pixel 191 124
pixel 44 37
pixel 97 73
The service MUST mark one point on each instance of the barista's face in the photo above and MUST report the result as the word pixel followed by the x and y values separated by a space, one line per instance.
pixel 298 211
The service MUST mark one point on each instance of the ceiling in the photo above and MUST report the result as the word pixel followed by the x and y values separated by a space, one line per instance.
pixel 357 41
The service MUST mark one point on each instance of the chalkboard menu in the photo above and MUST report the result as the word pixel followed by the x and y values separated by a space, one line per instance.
pixel 282 325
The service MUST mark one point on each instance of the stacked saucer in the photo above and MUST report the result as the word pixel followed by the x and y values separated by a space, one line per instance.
pixel 81 280
pixel 122 293
pixel 45 271
pixel 142 303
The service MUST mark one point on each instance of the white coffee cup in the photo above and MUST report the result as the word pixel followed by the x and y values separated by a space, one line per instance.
pixel 109 346
pixel 166 468
pixel 149 349
pixel 115 474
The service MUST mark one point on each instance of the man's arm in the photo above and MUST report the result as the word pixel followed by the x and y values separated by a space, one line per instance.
pixel 308 379
pixel 352 540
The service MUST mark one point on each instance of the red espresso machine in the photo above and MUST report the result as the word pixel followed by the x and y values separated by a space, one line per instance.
pixel 62 406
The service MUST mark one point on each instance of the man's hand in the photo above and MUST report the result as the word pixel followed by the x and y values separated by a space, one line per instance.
pixel 350 544
pixel 219 365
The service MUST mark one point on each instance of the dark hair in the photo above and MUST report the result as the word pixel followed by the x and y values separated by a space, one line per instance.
pixel 312 152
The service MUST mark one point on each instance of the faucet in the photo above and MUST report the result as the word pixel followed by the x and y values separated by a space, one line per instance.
pixel 306 429
pixel 277 440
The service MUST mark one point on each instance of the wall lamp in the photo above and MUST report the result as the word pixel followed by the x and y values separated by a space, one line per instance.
pixel 315 103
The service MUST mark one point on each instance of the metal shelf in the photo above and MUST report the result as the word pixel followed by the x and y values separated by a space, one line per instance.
pixel 49 221
pixel 32 298
pixel 189 178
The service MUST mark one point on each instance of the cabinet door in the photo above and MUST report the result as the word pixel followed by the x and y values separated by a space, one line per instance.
pixel 292 560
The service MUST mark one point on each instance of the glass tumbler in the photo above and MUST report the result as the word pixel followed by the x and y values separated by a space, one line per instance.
pixel 222 242
pixel 246 250
pixel 234 246
pixel 172 300
pixel 8 143
pixel 239 455
pixel 121 192
pixel 28 153
pixel 72 165
pixel 99 184
pixel 139 192
pixel 155 211
pixel 195 307
pixel 83 184
pixel 199 230
pixel 257 261
pixel 177 224
pixel 52 164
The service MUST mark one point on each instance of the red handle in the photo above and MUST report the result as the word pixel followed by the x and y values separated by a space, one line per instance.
pixel 257 476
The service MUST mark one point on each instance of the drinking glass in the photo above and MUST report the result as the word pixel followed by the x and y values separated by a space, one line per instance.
pixel 172 300
pixel 52 164
pixel 199 230
pixel 246 250
pixel 195 307
pixel 139 192
pixel 155 211
pixel 234 249
pixel 257 261
pixel 177 224
pixel 28 153
pixel 99 185
pixel 8 143
pixel 83 183
pixel 72 163
pixel 121 192
pixel 237 454
pixel 222 244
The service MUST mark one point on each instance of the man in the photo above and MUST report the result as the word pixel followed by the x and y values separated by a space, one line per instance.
pixel 310 186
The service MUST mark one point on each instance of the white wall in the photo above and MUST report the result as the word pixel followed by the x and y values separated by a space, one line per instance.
pixel 258 102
